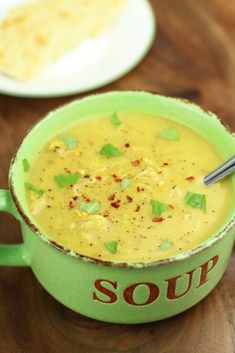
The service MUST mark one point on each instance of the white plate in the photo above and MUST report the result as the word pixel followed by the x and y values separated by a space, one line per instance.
pixel 95 62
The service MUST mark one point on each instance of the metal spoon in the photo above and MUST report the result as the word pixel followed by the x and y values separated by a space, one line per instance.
pixel 228 167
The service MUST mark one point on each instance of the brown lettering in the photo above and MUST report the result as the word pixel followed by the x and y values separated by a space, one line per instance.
pixel 129 293
pixel 99 286
pixel 172 284
pixel 205 270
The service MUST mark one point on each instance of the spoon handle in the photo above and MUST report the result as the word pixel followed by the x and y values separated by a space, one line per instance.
pixel 224 169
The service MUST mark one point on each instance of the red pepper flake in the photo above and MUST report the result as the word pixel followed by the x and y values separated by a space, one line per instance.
pixel 88 200
pixel 116 179
pixel 116 204
pixel 75 198
pixel 71 204
pixel 137 208
pixel 135 163
pixel 138 189
pixel 129 199
pixel 157 219
pixel 190 178
pixel 127 145
pixel 111 197
pixel 98 177
pixel 165 164
pixel 172 207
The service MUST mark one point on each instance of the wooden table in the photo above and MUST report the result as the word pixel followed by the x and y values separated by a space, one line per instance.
pixel 193 57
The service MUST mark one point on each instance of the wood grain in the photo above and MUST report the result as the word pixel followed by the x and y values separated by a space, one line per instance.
pixel 193 57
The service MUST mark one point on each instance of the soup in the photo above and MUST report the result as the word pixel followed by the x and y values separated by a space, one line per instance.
pixel 126 188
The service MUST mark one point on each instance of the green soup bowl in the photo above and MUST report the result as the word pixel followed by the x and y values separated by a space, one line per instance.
pixel 127 293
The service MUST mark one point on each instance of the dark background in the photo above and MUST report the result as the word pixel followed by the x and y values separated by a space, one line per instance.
pixel 193 57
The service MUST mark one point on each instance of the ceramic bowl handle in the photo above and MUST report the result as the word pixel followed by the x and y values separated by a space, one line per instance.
pixel 15 254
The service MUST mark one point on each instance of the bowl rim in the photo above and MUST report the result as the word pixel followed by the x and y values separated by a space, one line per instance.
pixel 175 258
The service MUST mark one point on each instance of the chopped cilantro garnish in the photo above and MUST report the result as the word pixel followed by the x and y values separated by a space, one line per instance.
pixel 165 245
pixel 66 179
pixel 196 200
pixel 111 246
pixel 90 207
pixel 115 120
pixel 70 141
pixel 109 150
pixel 158 208
pixel 33 188
pixel 124 184
pixel 26 165
pixel 170 134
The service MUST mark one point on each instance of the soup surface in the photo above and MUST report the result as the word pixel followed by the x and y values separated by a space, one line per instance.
pixel 127 188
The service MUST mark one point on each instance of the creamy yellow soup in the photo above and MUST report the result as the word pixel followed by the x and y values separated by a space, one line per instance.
pixel 126 187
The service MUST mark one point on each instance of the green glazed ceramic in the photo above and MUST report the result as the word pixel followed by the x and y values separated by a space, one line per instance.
pixel 119 292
